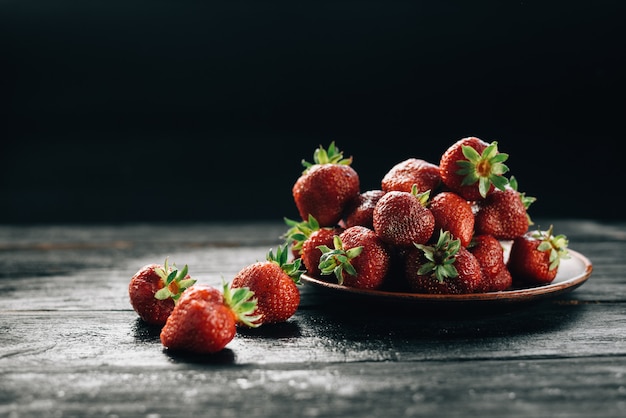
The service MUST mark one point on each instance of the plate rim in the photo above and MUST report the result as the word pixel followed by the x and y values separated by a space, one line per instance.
pixel 515 295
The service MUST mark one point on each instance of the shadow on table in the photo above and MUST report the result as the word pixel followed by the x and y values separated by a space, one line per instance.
pixel 356 316
pixel 224 357
pixel 150 334
pixel 146 333
pixel 282 330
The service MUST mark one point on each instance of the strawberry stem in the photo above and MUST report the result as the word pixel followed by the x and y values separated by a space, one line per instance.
pixel 330 156
pixel 174 282
pixel 556 245
pixel 486 168
pixel 292 269
pixel 336 261
pixel 440 257
pixel 242 302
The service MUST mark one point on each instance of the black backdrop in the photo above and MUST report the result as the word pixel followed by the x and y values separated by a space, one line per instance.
pixel 141 110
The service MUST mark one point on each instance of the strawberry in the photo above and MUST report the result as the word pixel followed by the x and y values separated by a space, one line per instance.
pixel 535 256
pixel 405 174
pixel 490 255
pixel 325 187
pixel 473 168
pixel 205 320
pixel 298 232
pixel 503 280
pixel 402 218
pixel 304 238
pixel 504 213
pixel 453 213
pixel 361 210
pixel 311 253
pixel 275 285
pixel 154 290
pixel 359 259
pixel 443 268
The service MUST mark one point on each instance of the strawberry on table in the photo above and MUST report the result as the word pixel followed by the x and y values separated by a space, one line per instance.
pixel 453 213
pixel 326 186
pixel 412 171
pixel 473 168
pixel 274 282
pixel 403 218
pixel 504 213
pixel 205 319
pixel 154 289
pixel 359 258
pixel 443 268
pixel 536 255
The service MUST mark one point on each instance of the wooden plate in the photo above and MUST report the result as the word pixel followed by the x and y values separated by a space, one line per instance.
pixel 572 273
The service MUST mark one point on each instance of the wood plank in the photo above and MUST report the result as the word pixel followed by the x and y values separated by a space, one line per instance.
pixel 71 345
pixel 452 388
pixel 66 339
pixel 67 273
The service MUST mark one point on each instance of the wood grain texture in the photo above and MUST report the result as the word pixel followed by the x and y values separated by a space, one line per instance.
pixel 70 344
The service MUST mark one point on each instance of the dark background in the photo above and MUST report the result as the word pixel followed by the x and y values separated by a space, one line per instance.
pixel 116 111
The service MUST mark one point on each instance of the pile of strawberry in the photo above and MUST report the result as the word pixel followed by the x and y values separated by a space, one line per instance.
pixel 198 318
pixel 430 228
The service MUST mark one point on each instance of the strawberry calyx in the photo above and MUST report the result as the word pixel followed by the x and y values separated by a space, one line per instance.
pixel 331 156
pixel 292 269
pixel 242 303
pixel 174 282
pixel 423 197
pixel 556 245
pixel 486 168
pixel 526 200
pixel 440 257
pixel 337 260
pixel 299 231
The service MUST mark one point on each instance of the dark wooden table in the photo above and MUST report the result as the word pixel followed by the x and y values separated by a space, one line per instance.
pixel 70 344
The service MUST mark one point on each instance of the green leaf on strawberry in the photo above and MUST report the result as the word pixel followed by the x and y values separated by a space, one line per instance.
pixel 243 304
pixel 486 168
pixel 330 156
pixel 526 200
pixel 281 257
pixel 337 260
pixel 299 231
pixel 556 245
pixel 441 257
pixel 174 282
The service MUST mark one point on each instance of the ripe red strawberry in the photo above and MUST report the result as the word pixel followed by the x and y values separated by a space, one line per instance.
pixel 275 286
pixel 326 187
pixel 361 210
pixel 298 232
pixel 490 255
pixel 154 289
pixel 443 268
pixel 205 320
pixel 453 213
pixel 501 281
pixel 402 218
pixel 359 259
pixel 405 174
pixel 504 213
pixel 311 253
pixel 472 168
pixel 536 255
